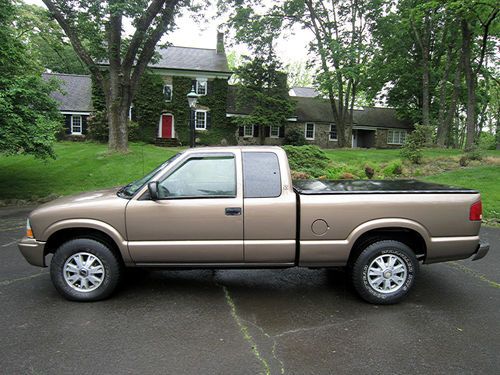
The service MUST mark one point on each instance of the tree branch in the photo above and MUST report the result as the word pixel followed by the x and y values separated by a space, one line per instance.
pixel 74 39
pixel 149 46
pixel 143 25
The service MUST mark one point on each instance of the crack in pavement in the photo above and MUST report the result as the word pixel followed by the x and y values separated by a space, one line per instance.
pixel 12 281
pixel 473 273
pixel 244 331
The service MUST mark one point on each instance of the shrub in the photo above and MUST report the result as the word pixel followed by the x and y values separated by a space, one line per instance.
pixel 309 159
pixel 415 142
pixel 393 169
pixel 369 171
pixel 487 141
pixel 294 137
pixel 98 127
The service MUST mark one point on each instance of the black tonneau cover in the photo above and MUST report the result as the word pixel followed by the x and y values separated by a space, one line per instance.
pixel 315 187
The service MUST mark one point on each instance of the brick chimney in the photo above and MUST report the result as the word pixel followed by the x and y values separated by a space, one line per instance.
pixel 220 43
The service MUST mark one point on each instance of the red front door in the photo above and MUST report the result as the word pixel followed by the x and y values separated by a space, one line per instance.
pixel 166 126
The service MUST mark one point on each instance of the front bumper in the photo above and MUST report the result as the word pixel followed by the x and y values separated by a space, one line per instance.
pixel 33 251
pixel 482 250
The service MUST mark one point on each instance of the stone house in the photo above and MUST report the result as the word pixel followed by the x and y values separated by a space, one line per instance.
pixel 206 71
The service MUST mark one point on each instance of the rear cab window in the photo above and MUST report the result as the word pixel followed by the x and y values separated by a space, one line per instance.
pixel 261 175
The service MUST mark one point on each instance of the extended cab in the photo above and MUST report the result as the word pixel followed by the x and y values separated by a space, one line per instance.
pixel 237 207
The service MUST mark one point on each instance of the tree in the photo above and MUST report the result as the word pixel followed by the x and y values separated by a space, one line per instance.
pixel 29 118
pixel 339 47
pixel 95 30
pixel 299 74
pixel 46 40
pixel 477 20
pixel 262 87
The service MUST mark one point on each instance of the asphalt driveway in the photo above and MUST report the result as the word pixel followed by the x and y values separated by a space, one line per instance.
pixel 295 321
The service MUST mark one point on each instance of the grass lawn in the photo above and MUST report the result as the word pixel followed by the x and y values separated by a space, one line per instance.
pixel 87 166
pixel 78 167
pixel 486 179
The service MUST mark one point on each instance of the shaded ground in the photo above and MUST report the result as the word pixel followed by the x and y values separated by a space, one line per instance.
pixel 295 321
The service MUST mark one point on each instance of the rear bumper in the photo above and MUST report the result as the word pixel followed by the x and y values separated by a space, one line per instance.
pixel 482 250
pixel 33 251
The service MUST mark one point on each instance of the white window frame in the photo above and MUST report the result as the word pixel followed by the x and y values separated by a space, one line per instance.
pixel 276 130
pixel 313 129
pixel 330 134
pixel 396 137
pixel 245 127
pixel 81 125
pixel 171 92
pixel 196 119
pixel 198 82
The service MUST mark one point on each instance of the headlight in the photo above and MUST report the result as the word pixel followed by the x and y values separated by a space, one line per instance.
pixel 29 232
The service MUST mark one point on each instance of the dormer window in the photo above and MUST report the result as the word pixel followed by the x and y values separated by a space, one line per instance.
pixel 201 86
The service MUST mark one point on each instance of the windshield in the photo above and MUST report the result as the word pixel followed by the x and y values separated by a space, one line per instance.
pixel 129 190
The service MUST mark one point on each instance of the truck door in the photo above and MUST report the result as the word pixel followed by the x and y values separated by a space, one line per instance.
pixel 198 218
pixel 269 209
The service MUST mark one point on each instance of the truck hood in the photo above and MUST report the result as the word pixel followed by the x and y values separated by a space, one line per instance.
pixel 92 197
pixel 101 205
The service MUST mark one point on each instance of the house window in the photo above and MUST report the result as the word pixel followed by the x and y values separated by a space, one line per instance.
pixel 167 93
pixel 309 133
pixel 200 120
pixel 275 131
pixel 396 137
pixel 248 131
pixel 76 124
pixel 333 132
pixel 201 86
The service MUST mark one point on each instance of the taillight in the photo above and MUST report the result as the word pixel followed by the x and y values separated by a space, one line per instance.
pixel 476 211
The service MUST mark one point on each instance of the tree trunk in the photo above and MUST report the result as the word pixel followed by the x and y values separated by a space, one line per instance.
pixel 448 121
pixel 442 130
pixel 425 87
pixel 470 82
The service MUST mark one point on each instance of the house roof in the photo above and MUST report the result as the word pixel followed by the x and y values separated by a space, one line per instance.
pixel 187 58
pixel 313 109
pixel 308 92
pixel 319 110
pixel 76 95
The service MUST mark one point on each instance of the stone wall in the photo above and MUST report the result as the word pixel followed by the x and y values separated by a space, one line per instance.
pixel 321 134
pixel 381 139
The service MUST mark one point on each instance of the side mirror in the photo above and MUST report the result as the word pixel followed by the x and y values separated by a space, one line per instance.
pixel 153 190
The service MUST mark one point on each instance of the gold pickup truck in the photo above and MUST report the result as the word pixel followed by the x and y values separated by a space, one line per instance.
pixel 237 207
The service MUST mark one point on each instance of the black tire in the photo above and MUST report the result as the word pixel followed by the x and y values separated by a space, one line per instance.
pixel 363 282
pixel 110 278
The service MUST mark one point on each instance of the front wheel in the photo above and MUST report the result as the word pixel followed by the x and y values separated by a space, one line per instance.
pixel 84 269
pixel 385 272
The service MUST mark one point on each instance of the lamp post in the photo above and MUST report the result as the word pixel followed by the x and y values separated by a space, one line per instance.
pixel 192 98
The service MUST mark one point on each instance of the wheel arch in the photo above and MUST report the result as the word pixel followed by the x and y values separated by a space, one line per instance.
pixel 409 232
pixel 63 231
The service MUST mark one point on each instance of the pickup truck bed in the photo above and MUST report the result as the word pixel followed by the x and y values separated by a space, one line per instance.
pixel 330 187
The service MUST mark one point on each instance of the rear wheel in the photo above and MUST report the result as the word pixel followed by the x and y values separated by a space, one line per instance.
pixel 85 270
pixel 385 272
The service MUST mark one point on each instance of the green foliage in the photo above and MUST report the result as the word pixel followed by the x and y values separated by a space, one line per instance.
pixel 148 104
pixel 295 137
pixel 487 141
pixel 394 169
pixel 414 144
pixel 46 40
pixel 309 159
pixel 263 90
pixel 29 118
pixel 97 124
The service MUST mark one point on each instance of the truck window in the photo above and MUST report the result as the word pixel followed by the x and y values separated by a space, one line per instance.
pixel 261 175
pixel 201 177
